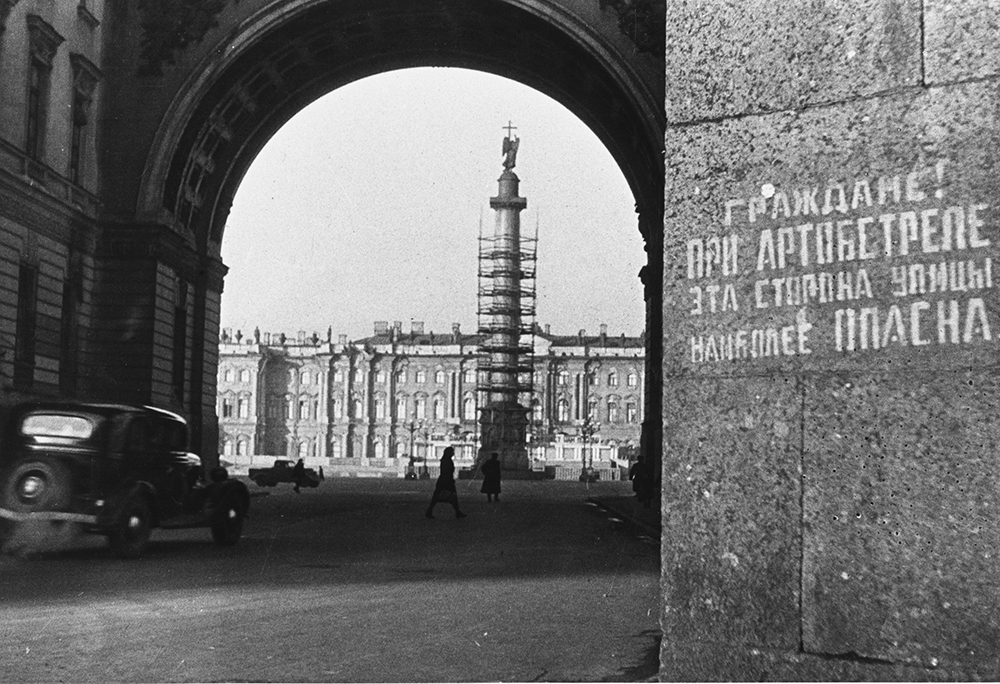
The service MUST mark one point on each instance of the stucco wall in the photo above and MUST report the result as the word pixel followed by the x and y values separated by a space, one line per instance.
pixel 832 326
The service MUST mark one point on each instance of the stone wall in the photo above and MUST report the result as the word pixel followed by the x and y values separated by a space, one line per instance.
pixel 829 496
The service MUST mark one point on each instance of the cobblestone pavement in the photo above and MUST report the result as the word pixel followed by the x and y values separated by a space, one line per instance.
pixel 350 582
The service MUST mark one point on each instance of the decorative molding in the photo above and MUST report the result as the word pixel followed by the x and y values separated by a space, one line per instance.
pixel 642 21
pixel 44 40
pixel 86 16
pixel 5 7
pixel 169 26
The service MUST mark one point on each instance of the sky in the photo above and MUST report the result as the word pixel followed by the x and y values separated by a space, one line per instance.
pixel 366 206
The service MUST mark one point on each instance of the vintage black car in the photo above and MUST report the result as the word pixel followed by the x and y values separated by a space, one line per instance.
pixel 283 470
pixel 115 470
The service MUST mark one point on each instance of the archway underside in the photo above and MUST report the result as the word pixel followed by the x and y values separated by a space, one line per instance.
pixel 330 46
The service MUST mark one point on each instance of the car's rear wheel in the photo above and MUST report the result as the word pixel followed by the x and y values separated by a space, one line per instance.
pixel 227 527
pixel 37 486
pixel 132 528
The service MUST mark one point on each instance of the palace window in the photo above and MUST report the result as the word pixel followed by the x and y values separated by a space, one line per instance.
pixel 592 409
pixel 380 408
pixel 469 408
pixel 287 413
pixel 421 376
pixel 438 408
pixel 612 379
pixel 228 375
pixel 401 407
pixel 227 447
pixel 380 376
pixel 439 377
pixel 243 407
pixel 304 378
pixel 562 379
pixel 336 448
pixel 631 412
pixel 303 409
pixel 244 375
pixel 241 448
pixel 469 375
pixel 227 407
pixel 562 411
pixel 633 380
pixel 338 408
pixel 420 408
pixel 612 411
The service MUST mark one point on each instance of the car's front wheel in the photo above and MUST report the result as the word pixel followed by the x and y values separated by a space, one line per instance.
pixel 132 528
pixel 37 486
pixel 227 527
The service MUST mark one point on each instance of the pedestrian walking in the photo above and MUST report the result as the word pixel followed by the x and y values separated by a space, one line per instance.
pixel 491 478
pixel 642 484
pixel 444 488
pixel 299 473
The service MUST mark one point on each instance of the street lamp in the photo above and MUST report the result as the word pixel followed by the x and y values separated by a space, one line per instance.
pixel 588 430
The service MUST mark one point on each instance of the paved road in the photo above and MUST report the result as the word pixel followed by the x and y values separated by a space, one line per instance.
pixel 350 582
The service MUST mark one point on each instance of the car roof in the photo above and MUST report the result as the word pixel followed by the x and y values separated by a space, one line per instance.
pixel 106 409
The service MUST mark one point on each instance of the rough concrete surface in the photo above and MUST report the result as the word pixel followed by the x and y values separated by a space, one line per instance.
pixel 827 52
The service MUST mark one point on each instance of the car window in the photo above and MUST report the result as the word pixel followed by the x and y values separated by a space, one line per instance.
pixel 168 435
pixel 57 425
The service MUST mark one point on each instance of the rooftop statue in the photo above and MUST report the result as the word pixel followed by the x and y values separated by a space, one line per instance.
pixel 510 144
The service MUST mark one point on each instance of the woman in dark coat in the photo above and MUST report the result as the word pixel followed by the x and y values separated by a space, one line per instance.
pixel 491 478
pixel 444 488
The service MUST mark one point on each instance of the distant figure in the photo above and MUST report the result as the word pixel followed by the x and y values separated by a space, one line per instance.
pixel 642 484
pixel 299 473
pixel 444 489
pixel 491 478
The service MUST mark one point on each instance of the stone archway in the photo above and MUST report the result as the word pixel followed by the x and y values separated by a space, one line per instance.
pixel 266 65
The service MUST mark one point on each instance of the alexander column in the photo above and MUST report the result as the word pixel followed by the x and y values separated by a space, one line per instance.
pixel 506 309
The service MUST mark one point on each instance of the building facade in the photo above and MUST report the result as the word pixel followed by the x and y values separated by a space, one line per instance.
pixel 369 405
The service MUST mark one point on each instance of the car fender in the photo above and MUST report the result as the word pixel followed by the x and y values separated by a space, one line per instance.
pixel 116 502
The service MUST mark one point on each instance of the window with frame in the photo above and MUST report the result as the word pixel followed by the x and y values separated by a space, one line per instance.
pixel 43 43
pixel 227 407
pixel 612 411
pixel 303 409
pixel 421 376
pixel 420 408
pixel 380 408
pixel 287 408
pixel 241 448
pixel 562 410
pixel 243 407
pixel 245 375
pixel 439 377
pixel 592 409
pixel 632 380
pixel 227 376
pixel 631 412
pixel 469 408
pixel 469 376
pixel 562 379
pixel 304 377
pixel 612 379
pixel 438 408
pixel 85 77
pixel 401 407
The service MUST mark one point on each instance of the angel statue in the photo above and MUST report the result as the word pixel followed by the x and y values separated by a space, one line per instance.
pixel 510 152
